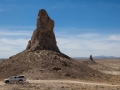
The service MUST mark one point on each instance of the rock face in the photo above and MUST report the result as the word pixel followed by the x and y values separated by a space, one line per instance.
pixel 43 37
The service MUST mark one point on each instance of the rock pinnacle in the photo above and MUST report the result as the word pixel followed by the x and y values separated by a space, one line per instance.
pixel 43 37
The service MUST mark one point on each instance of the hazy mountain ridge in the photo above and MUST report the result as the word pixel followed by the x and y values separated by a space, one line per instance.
pixel 3 59
pixel 96 57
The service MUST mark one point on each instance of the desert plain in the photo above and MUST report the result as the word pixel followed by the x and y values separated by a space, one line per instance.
pixel 47 68
pixel 107 66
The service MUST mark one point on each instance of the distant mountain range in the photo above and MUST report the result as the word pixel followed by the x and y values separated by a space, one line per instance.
pixel 1 59
pixel 77 58
pixel 96 57
pixel 102 56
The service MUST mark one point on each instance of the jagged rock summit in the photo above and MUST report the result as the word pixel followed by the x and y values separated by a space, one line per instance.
pixel 43 37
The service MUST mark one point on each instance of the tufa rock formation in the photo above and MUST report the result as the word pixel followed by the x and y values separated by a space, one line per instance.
pixel 43 37
pixel 43 60
pixel 91 58
pixel 90 61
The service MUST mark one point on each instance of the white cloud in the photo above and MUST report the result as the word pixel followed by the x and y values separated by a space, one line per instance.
pixel 16 30
pixel 17 42
pixel 15 33
pixel 80 45
pixel 9 47
pixel 86 44
pixel 88 35
pixel 67 44
pixel 13 42
pixel 114 37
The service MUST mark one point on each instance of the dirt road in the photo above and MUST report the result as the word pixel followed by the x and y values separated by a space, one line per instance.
pixel 64 81
pixel 69 81
pixel 59 85
pixel 1 83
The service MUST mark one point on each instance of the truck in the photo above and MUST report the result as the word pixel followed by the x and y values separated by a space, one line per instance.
pixel 14 79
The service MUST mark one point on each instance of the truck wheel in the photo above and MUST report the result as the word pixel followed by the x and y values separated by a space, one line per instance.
pixel 6 82
pixel 20 80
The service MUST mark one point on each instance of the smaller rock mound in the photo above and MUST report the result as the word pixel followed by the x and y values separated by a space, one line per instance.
pixel 91 58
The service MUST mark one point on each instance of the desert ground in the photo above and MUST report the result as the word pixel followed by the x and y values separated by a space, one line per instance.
pixel 108 66
pixel 59 85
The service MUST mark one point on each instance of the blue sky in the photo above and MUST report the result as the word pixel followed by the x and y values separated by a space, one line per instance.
pixel 82 27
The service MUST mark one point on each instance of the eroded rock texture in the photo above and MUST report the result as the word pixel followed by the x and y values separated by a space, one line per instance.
pixel 43 37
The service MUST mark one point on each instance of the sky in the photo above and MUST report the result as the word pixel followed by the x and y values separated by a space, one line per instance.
pixel 82 27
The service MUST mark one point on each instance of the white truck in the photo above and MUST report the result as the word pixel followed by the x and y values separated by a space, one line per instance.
pixel 14 79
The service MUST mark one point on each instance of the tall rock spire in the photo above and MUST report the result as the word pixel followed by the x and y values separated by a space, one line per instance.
pixel 43 37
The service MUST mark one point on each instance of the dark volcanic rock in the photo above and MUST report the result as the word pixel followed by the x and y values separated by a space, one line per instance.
pixel 43 37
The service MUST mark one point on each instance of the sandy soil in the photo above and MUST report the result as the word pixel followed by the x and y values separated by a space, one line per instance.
pixel 108 66
pixel 111 66
pixel 59 85
pixel 70 81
